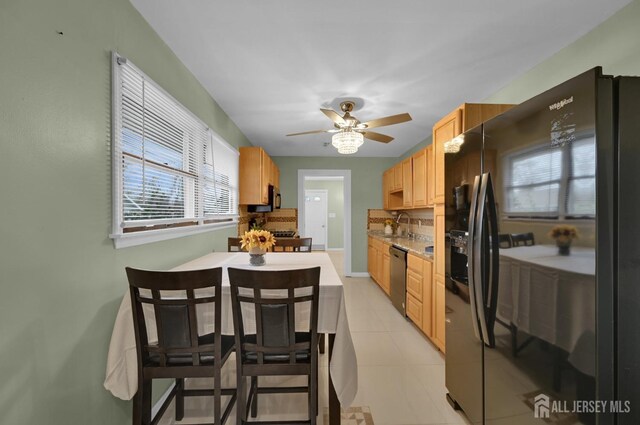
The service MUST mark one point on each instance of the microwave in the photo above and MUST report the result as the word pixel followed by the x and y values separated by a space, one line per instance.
pixel 274 202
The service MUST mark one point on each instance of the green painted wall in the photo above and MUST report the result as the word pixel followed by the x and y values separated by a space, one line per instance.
pixel 61 278
pixel 335 224
pixel 366 192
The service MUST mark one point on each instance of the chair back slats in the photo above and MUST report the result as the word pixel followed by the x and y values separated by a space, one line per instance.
pixel 523 239
pixel 293 245
pixel 176 321
pixel 234 244
pixel 275 314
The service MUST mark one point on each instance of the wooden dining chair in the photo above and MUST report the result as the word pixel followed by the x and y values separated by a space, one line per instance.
pixel 234 245
pixel 293 245
pixel 522 239
pixel 504 241
pixel 180 352
pixel 275 347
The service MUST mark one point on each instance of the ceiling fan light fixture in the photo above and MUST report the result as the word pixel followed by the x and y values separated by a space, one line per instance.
pixel 347 142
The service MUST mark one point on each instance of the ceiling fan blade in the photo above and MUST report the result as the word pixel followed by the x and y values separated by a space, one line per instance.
pixel 312 132
pixel 333 116
pixel 390 120
pixel 377 136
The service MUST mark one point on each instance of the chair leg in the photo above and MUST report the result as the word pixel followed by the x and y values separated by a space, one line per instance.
pixel 241 403
pixel 254 402
pixel 321 340
pixel 313 389
pixel 179 399
pixel 142 403
pixel 217 396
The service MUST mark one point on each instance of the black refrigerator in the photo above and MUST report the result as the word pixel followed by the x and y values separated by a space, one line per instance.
pixel 543 276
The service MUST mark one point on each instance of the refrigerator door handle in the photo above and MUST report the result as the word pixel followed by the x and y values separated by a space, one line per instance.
pixel 494 264
pixel 471 254
pixel 479 259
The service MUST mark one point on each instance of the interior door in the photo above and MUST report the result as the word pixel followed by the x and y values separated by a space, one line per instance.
pixel 315 217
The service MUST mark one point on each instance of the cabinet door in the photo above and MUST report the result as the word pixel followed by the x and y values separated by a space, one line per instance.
pixel 407 183
pixel 386 187
pixel 439 313
pixel 265 176
pixel 431 180
pixel 397 176
pixel 414 310
pixel 386 272
pixel 371 257
pixel 379 266
pixel 420 178
pixel 445 130
pixel 439 253
pixel 427 298
pixel 250 176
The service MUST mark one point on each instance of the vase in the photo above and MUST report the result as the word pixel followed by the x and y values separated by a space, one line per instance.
pixel 256 257
pixel 564 248
pixel 388 230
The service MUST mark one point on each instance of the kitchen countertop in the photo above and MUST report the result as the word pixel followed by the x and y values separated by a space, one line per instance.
pixel 414 246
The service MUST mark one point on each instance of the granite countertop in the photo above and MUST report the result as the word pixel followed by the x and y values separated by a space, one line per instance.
pixel 414 246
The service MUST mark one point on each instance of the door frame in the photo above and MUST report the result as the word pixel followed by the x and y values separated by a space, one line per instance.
pixel 326 215
pixel 346 188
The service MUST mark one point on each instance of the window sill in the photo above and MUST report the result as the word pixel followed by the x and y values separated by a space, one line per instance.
pixel 125 240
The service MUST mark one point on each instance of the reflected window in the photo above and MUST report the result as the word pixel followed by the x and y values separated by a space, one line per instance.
pixel 552 182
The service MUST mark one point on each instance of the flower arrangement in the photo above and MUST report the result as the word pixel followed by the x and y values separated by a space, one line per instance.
pixel 564 233
pixel 392 223
pixel 260 239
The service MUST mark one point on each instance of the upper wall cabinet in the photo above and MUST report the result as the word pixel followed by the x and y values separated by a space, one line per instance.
pixel 257 172
pixel 406 185
pixel 461 119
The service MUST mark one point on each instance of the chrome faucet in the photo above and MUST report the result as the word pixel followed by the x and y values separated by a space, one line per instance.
pixel 408 220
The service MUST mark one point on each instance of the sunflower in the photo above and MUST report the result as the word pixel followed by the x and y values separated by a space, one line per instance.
pixel 262 239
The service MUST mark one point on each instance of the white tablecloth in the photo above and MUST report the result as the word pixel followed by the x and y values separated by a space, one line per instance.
pixel 122 374
pixel 551 297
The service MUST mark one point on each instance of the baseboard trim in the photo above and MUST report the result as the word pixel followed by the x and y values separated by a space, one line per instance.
pixel 156 407
pixel 334 249
pixel 359 274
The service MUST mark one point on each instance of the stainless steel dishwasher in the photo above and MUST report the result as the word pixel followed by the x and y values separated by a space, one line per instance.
pixel 398 278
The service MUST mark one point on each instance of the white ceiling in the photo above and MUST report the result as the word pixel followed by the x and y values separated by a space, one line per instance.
pixel 271 64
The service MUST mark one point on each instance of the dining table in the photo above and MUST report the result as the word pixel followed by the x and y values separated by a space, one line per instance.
pixel 121 369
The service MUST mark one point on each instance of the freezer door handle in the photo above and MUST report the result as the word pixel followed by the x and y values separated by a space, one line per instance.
pixel 471 255
pixel 491 287
pixel 480 257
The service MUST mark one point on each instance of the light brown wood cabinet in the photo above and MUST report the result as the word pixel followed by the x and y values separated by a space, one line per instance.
pixel 419 182
pixel 421 299
pixel 431 175
pixel 407 183
pixel 257 172
pixel 439 255
pixel 379 263
pixel 438 336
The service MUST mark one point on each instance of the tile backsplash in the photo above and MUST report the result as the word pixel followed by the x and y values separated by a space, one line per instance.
pixel 281 219
pixel 419 222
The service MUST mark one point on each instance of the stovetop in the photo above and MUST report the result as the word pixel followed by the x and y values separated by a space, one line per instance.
pixel 283 233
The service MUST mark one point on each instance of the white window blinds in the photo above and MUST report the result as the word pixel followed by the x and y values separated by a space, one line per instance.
pixel 169 168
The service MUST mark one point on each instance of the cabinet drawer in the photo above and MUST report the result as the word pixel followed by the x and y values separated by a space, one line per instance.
pixel 414 310
pixel 414 284
pixel 414 263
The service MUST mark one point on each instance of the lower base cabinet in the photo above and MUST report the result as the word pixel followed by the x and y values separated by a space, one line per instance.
pixel 379 263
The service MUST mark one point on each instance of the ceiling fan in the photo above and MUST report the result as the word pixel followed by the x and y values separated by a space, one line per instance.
pixel 349 127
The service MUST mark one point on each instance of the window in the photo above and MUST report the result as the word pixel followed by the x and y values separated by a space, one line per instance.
pixel 172 175
pixel 552 182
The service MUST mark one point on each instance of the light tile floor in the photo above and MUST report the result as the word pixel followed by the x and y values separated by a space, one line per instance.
pixel 400 373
